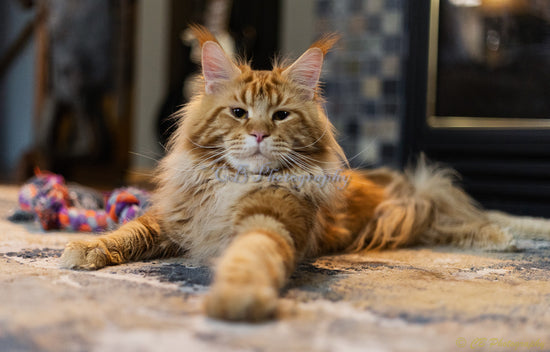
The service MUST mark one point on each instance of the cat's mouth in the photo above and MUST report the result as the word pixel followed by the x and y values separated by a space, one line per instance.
pixel 254 157
pixel 259 157
pixel 257 153
pixel 256 162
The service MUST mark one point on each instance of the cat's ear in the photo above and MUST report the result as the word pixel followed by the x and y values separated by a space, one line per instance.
pixel 217 68
pixel 306 70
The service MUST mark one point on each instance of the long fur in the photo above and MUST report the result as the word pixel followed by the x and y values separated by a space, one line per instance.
pixel 426 206
pixel 215 199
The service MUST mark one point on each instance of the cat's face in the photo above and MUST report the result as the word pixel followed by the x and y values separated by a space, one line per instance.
pixel 260 120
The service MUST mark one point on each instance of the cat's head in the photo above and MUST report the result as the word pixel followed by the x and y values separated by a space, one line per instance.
pixel 259 119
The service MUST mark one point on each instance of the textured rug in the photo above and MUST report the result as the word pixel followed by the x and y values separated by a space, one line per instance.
pixel 418 299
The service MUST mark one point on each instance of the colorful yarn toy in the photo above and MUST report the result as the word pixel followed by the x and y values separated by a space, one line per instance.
pixel 60 207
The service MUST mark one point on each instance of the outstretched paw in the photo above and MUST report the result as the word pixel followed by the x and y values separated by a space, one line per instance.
pixel 241 302
pixel 84 255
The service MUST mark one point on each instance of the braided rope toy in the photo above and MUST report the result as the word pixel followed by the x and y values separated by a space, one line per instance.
pixel 56 206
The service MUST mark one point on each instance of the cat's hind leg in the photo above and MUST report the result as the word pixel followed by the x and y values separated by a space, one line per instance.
pixel 136 240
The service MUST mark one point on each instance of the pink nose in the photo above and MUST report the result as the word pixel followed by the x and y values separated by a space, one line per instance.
pixel 259 135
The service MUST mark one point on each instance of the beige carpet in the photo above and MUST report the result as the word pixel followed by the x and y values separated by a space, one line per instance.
pixel 419 299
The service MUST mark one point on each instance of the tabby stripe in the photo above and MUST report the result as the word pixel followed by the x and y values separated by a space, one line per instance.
pixel 207 122
pixel 276 80
pixel 211 135
pixel 286 248
pixel 285 100
pixel 309 127
pixel 268 89
pixel 243 95
pixel 248 78
pixel 255 89
pixel 278 98
pixel 248 96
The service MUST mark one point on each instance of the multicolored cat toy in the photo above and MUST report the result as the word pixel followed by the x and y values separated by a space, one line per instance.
pixel 59 206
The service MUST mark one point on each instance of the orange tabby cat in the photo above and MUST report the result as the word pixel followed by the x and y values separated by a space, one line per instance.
pixel 255 178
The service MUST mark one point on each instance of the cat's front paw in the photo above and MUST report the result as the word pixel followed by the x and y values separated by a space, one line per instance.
pixel 84 255
pixel 241 302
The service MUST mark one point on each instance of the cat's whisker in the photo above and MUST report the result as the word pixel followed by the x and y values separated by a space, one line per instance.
pixel 141 155
pixel 196 148
pixel 303 166
pixel 291 163
pixel 284 160
pixel 313 160
pixel 369 146
pixel 163 146
pixel 300 164
pixel 204 146
pixel 212 159
pixel 285 163
pixel 204 162
pixel 141 173
pixel 318 139
pixel 174 120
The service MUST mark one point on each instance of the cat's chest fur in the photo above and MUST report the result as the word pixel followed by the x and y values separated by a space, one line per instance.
pixel 200 219
pixel 197 206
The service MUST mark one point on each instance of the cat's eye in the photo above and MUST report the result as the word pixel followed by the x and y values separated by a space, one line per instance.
pixel 239 113
pixel 280 115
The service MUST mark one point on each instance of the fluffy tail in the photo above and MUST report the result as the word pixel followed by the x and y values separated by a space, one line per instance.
pixel 425 206
pixel 522 227
pixel 458 219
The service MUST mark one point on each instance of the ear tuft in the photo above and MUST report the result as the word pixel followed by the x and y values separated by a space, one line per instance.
pixel 202 34
pixel 326 42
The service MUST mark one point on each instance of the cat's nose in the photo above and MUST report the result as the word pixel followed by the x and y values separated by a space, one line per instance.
pixel 259 135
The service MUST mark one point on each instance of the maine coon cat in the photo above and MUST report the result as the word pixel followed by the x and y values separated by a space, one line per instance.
pixel 255 178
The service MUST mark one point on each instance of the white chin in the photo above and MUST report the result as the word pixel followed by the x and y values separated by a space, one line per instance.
pixel 257 164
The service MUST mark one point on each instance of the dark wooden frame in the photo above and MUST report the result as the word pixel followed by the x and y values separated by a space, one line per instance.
pixel 506 169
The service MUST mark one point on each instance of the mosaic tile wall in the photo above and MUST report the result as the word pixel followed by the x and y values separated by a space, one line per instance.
pixel 364 76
